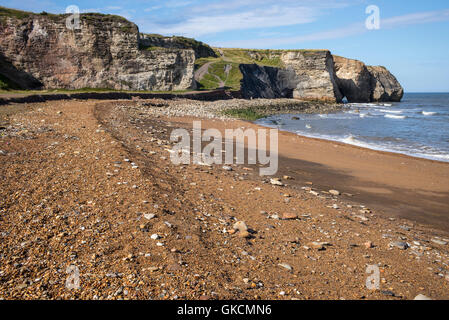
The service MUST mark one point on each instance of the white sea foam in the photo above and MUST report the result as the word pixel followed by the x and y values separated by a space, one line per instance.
pixel 391 111
pixel 428 113
pixel 391 116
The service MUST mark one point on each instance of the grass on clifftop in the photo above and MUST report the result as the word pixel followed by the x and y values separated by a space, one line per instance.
pixel 230 59
pixel 128 26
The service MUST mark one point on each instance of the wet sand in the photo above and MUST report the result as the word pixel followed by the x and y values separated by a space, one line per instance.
pixel 398 185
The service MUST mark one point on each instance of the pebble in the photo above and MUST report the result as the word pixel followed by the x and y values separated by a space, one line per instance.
pixel 369 245
pixel 399 244
pixel 227 168
pixel 289 215
pixel 318 245
pixel 440 242
pixel 153 269
pixel 276 182
pixel 334 192
pixel 286 266
pixel 421 297
pixel 149 216
pixel 240 226
pixel 154 236
pixel 388 293
pixel 3 153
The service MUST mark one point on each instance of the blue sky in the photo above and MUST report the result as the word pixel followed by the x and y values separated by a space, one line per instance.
pixel 412 40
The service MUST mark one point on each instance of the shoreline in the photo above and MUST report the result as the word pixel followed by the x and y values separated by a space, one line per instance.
pixel 394 193
pixel 355 146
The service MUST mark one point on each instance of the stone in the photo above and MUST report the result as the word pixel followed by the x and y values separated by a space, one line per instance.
pixel 227 168
pixel 154 236
pixel 276 182
pixel 149 216
pixel 421 297
pixel 240 226
pixel 334 192
pixel 286 266
pixel 3 153
pixel 153 269
pixel 368 245
pixel 318 245
pixel 289 215
pixel 440 242
pixel 387 293
pixel 399 244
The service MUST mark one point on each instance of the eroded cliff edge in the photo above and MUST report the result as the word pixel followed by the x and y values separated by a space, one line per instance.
pixel 361 83
pixel 39 51
pixel 317 75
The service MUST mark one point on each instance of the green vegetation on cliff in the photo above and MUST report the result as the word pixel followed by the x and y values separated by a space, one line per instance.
pixel 249 114
pixel 223 70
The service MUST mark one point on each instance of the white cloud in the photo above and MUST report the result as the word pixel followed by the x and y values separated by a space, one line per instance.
pixel 350 30
pixel 214 17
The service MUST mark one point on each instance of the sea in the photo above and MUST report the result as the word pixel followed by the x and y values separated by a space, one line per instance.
pixel 417 126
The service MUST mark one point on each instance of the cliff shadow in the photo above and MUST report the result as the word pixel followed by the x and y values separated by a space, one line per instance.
pixel 16 78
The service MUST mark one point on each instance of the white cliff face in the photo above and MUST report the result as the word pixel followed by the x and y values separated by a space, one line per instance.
pixel 361 83
pixel 385 86
pixel 315 75
pixel 40 51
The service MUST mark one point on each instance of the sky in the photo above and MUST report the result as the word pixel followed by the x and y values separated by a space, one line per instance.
pixel 411 39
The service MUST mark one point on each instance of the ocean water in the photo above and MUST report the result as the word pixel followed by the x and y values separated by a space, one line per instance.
pixel 417 126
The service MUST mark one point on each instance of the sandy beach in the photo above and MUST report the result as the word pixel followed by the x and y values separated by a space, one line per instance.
pixel 399 185
pixel 90 184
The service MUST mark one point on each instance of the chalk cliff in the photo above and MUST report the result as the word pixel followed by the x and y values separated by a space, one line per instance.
pixel 315 74
pixel 39 51
pixel 361 83
pixel 384 85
